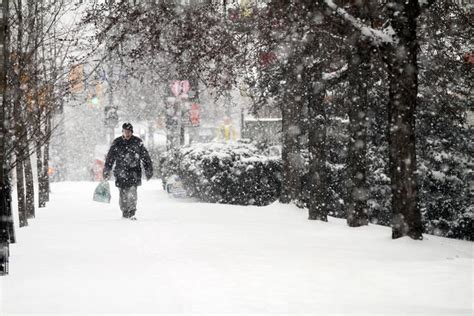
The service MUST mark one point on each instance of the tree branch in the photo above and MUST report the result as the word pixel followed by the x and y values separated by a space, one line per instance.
pixel 376 37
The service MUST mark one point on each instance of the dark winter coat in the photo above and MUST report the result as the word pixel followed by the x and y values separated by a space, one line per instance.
pixel 127 155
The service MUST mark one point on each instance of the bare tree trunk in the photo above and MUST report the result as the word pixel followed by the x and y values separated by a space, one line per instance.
pixel 318 173
pixel 7 234
pixel 357 209
pixel 39 136
pixel 291 111
pixel 19 149
pixel 40 162
pixel 291 182
pixel 42 156
pixel 44 112
pixel 46 157
pixel 39 168
pixel 20 188
pixel 20 157
pixel 28 130
pixel 403 68
pixel 18 110
pixel 30 189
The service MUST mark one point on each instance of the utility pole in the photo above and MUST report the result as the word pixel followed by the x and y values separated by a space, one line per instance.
pixel 7 235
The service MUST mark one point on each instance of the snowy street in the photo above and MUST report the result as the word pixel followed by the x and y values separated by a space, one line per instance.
pixel 79 257
pixel 316 157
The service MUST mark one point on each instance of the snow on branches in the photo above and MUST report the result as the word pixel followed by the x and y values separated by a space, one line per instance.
pixel 377 37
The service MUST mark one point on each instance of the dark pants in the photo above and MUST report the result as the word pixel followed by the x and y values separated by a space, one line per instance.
pixel 128 201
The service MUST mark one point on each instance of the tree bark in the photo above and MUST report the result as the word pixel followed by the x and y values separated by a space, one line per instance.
pixel 18 110
pixel 29 188
pixel 7 233
pixel 30 71
pixel 291 157
pixel 39 136
pixel 318 173
pixel 20 157
pixel 20 189
pixel 42 157
pixel 46 157
pixel 403 71
pixel 39 168
pixel 357 210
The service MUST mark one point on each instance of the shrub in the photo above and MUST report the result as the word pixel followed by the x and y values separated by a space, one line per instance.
pixel 233 173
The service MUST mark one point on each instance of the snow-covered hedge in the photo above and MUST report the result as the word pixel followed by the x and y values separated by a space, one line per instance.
pixel 233 173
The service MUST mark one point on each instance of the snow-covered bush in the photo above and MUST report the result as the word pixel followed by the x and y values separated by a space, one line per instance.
pixel 233 173
pixel 444 135
pixel 445 197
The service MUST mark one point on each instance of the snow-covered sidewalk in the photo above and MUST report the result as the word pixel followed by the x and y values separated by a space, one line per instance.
pixel 80 257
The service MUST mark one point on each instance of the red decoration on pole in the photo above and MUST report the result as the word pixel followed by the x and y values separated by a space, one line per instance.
pixel 185 86
pixel 180 88
pixel 194 114
pixel 176 88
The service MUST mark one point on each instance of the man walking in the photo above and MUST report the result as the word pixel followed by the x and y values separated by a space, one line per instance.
pixel 128 153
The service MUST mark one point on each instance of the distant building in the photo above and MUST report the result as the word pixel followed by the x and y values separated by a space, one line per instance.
pixel 262 130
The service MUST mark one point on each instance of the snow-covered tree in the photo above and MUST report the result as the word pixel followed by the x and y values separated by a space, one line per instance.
pixel 444 135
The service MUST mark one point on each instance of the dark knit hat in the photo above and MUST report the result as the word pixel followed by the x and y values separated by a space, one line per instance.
pixel 127 126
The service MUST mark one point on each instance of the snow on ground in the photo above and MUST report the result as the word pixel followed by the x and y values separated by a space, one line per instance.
pixel 80 257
